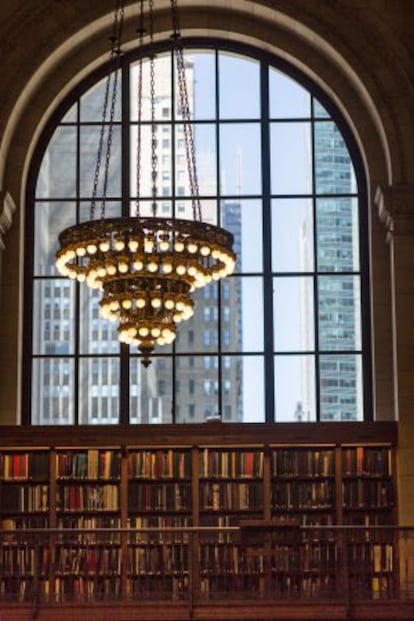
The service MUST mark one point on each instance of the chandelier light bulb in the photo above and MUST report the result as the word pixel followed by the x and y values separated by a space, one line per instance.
pixel 91 248
pixel 104 245
pixel 133 245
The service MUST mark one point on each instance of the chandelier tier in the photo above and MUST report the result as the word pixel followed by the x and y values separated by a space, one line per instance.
pixel 146 267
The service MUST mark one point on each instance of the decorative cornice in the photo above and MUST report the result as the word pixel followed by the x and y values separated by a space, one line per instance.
pixel 7 207
pixel 396 209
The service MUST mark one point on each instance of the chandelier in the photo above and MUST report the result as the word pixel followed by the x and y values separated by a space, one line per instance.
pixel 147 268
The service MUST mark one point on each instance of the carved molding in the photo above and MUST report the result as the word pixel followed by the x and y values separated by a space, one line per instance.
pixel 8 207
pixel 396 209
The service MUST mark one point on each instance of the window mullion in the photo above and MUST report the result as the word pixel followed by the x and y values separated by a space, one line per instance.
pixel 269 378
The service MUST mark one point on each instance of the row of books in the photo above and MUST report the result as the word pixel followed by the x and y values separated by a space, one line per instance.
pixel 375 587
pixel 368 518
pixel 303 494
pixel 218 586
pixel 86 588
pixel 231 464
pixel 157 586
pixel 368 493
pixel 23 465
pixel 88 464
pixel 176 463
pixel 377 557
pixel 162 522
pixel 98 497
pixel 229 558
pixel 309 462
pixel 87 560
pixel 22 560
pixel 151 559
pixel 24 498
pixel 23 523
pixel 159 497
pixel 367 461
pixel 160 464
pixel 232 496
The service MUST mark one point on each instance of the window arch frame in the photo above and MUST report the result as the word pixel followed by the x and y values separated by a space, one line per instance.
pixel 266 60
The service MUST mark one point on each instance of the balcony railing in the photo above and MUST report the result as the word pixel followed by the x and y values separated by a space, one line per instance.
pixel 254 562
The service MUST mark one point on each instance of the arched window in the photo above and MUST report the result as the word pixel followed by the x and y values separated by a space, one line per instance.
pixel 285 338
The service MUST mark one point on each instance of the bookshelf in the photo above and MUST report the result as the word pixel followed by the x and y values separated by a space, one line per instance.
pixel 212 475
pixel 160 495
pixel 231 488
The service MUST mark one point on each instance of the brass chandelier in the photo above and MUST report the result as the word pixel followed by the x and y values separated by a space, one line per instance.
pixel 146 267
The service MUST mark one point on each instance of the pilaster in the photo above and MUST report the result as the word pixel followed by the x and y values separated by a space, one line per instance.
pixel 396 210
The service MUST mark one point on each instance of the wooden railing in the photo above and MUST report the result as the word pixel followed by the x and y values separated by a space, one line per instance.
pixel 274 566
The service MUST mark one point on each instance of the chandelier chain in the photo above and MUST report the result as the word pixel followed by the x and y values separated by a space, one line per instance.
pixel 186 114
pixel 154 158
pixel 141 32
pixel 146 267
pixel 112 79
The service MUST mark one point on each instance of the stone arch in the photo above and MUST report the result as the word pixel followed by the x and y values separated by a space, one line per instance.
pixel 323 41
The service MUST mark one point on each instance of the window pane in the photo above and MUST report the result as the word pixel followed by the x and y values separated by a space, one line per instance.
pixel 240 159
pixel 319 111
pixel 112 210
pixel 162 86
pixel 287 99
pixel 151 391
pixel 184 210
pixel 50 220
pixel 293 306
pixel 200 333
pixel 197 388
pixel 205 152
pixel 292 235
pixel 98 391
pixel 53 317
pixel 92 103
pixel 163 152
pixel 291 159
pixel 337 233
pixel 201 83
pixel 89 141
pixel 237 101
pixel 244 220
pixel 250 372
pixel 57 175
pixel 53 391
pixel 97 335
pixel 339 313
pixel 242 314
pixel 334 172
pixel 341 387
pixel 71 115
pixel 295 388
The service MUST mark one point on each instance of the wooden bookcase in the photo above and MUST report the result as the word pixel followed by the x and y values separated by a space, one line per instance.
pixel 207 475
